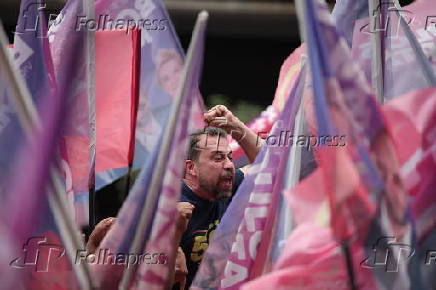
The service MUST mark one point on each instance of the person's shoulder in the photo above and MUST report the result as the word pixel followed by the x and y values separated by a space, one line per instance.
pixel 186 194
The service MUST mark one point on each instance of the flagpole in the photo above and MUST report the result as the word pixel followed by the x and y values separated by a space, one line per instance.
pixel 294 160
pixel 135 102
pixel 89 7
pixel 376 49
pixel 153 190
pixel 70 237
pixel 349 264
pixel 294 166
pixel 30 121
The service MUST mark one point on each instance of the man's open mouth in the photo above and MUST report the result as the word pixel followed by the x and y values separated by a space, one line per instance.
pixel 227 181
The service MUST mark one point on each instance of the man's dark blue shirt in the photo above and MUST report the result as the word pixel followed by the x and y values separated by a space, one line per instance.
pixel 204 220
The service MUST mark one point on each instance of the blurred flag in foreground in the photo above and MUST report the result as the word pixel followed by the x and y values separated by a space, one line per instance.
pixel 413 118
pixel 361 180
pixel 38 258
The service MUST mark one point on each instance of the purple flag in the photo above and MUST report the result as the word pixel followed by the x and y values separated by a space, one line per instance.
pixel 346 13
pixel 26 212
pixel 67 45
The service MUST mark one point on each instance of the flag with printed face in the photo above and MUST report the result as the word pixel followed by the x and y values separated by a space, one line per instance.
pixel 37 256
pixel 367 198
pixel 158 234
pixel 230 258
pixel 161 65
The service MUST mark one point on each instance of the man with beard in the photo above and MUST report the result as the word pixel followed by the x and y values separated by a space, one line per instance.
pixel 210 181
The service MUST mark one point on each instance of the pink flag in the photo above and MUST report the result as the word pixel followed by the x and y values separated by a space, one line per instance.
pixel 117 75
pixel 311 259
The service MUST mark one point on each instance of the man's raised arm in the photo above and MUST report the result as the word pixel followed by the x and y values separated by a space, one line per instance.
pixel 220 116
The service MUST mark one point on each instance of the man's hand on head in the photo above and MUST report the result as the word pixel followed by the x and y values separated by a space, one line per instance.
pixel 221 117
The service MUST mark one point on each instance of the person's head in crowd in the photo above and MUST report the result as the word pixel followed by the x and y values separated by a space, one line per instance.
pixel 209 168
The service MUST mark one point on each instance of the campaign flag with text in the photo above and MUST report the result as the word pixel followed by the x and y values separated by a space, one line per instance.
pixel 27 54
